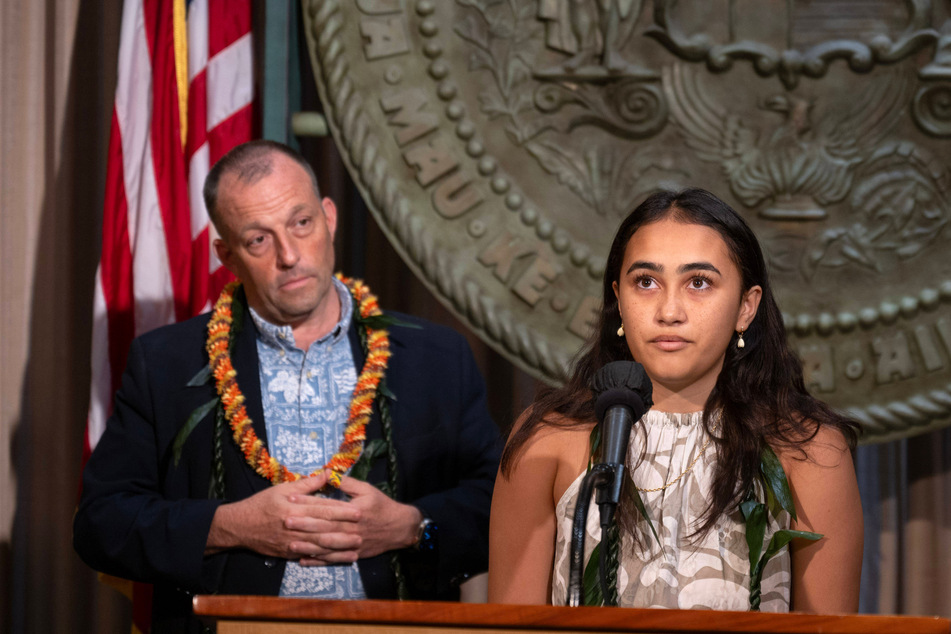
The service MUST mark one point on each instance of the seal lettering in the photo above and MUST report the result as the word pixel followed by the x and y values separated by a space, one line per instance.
pixel 455 195
pixel 379 7
pixel 929 348
pixel 894 358
pixel 384 37
pixel 586 317
pixel 535 280
pixel 431 160
pixel 405 110
pixel 943 327
pixel 817 366
pixel 503 252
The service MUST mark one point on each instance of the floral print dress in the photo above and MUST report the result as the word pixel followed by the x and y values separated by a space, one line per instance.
pixel 710 573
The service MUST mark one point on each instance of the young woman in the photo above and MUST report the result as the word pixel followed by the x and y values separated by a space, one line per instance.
pixel 686 294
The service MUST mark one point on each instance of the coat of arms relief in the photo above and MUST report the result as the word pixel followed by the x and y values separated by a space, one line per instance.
pixel 830 175
pixel 500 142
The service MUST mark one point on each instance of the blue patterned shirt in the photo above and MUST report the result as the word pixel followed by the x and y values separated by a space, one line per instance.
pixel 306 399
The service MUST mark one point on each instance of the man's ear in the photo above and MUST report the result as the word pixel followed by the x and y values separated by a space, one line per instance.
pixel 330 214
pixel 225 255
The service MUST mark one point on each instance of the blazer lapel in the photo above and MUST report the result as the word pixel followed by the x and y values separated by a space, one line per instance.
pixel 375 572
pixel 245 362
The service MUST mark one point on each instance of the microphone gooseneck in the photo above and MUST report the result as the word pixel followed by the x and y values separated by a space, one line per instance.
pixel 622 393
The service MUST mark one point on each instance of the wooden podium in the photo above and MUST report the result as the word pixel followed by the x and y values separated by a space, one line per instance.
pixel 270 615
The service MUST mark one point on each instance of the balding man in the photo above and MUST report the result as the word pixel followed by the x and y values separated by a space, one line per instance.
pixel 267 488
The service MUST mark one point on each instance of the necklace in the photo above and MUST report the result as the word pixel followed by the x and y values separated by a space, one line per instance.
pixel 699 455
pixel 361 406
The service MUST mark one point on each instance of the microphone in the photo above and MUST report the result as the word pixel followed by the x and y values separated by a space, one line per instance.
pixel 623 393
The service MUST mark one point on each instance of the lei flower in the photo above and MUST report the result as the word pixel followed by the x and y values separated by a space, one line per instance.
pixel 361 406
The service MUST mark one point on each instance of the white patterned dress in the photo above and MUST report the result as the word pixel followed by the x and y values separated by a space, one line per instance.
pixel 710 574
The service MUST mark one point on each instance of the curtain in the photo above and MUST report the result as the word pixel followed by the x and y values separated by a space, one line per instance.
pixel 58 73
pixel 906 499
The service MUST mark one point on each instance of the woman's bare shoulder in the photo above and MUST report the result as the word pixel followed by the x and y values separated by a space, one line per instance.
pixel 822 446
pixel 557 451
pixel 826 496
pixel 556 433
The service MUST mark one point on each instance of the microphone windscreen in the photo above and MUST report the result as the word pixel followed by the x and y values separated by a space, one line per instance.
pixel 622 383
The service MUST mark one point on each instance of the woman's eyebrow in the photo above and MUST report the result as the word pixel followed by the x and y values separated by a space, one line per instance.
pixel 698 266
pixel 683 268
pixel 643 264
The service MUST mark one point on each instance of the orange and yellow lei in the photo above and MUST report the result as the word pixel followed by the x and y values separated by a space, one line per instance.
pixel 361 406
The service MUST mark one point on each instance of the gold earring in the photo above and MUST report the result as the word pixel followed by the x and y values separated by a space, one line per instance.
pixel 739 342
pixel 620 331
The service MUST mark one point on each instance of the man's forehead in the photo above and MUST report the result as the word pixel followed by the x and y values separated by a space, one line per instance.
pixel 261 173
pixel 274 196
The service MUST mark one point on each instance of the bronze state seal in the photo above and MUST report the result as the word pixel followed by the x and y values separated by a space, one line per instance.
pixel 499 144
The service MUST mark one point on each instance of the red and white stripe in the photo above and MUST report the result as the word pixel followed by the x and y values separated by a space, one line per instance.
pixel 157 265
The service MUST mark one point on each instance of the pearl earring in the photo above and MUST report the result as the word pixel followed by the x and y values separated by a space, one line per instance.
pixel 739 342
pixel 620 331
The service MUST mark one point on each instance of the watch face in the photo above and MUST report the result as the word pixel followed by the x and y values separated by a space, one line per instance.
pixel 427 536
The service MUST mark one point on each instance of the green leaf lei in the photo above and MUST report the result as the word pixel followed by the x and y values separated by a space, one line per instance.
pixel 755 513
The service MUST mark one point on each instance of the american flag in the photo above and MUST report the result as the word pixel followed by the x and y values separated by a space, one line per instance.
pixel 184 97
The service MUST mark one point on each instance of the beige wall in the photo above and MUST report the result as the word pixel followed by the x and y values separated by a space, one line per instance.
pixel 57 76
pixel 21 199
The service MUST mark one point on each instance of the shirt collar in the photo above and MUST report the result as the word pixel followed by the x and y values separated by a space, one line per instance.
pixel 283 336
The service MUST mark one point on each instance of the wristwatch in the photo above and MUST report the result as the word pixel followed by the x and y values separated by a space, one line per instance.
pixel 426 536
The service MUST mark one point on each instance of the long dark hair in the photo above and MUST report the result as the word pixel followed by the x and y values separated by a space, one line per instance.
pixel 760 391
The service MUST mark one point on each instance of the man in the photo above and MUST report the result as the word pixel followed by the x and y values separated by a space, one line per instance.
pixel 189 510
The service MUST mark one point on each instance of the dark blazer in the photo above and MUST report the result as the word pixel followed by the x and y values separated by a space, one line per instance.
pixel 142 517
